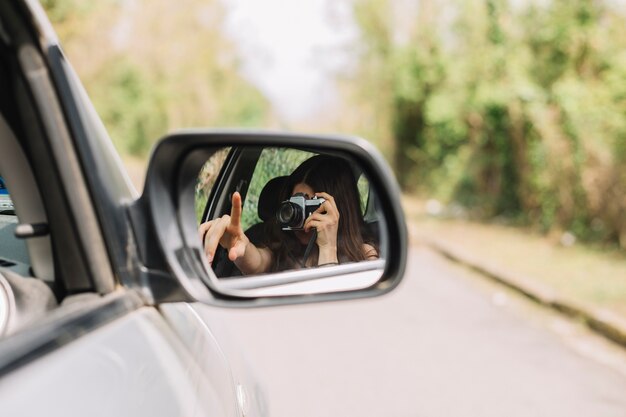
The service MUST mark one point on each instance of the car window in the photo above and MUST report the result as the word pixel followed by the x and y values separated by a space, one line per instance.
pixel 206 180
pixel 27 271
pixel 23 299
pixel 6 205
pixel 13 251
pixel 364 193
pixel 273 162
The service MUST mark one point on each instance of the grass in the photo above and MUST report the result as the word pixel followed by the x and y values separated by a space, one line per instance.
pixel 580 273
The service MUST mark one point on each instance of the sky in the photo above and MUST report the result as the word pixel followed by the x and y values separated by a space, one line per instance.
pixel 291 49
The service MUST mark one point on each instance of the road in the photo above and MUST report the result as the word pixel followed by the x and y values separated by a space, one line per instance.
pixel 445 343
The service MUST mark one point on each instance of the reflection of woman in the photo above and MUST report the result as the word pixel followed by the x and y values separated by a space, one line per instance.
pixel 340 229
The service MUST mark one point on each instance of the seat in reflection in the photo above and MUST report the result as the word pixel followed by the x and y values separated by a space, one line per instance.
pixel 269 202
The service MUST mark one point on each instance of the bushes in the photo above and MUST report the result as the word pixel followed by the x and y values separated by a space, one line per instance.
pixel 515 111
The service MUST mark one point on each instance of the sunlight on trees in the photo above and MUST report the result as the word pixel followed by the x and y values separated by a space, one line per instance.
pixel 512 110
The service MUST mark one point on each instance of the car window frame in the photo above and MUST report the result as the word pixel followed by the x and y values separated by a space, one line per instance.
pixel 238 168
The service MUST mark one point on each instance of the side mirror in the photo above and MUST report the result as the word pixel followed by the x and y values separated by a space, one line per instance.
pixel 192 177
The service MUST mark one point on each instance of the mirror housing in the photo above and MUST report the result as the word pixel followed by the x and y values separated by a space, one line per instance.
pixel 174 266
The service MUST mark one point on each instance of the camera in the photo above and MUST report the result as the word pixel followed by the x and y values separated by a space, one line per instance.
pixel 292 213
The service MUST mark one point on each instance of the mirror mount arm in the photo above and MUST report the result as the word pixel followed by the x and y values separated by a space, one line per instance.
pixel 150 274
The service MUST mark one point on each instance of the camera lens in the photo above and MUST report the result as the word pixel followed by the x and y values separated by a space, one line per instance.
pixel 289 214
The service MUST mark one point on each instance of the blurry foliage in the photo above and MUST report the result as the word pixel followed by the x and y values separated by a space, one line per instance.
pixel 206 180
pixel 513 110
pixel 152 66
pixel 274 162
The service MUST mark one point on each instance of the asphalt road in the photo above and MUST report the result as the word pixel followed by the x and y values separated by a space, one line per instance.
pixel 444 343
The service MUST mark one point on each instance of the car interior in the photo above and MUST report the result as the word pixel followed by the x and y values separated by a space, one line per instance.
pixel 26 271
pixel 266 208
pixel 41 266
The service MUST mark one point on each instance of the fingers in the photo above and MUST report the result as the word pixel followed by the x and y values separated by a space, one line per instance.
pixel 224 230
pixel 204 229
pixel 235 212
pixel 324 218
pixel 321 209
pixel 326 197
pixel 329 206
pixel 213 236
pixel 318 220
pixel 237 251
pixel 326 214
pixel 312 224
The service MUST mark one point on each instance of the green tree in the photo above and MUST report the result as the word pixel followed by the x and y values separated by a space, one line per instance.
pixel 511 110
pixel 148 74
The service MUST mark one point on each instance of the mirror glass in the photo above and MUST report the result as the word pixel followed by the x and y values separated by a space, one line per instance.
pixel 278 221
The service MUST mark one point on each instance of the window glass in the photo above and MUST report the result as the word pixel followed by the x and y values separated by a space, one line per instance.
pixel 6 205
pixel 364 191
pixel 13 251
pixel 206 180
pixel 273 162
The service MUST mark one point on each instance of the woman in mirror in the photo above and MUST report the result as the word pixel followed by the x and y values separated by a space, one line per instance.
pixel 333 233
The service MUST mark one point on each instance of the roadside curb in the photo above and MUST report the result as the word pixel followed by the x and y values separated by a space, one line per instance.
pixel 603 322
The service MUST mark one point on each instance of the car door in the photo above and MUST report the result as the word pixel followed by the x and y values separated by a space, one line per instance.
pixel 114 333
pixel 98 347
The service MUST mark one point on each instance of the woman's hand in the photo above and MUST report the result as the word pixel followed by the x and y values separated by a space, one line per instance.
pixel 226 231
pixel 326 221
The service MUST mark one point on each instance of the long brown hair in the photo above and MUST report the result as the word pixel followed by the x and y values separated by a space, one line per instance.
pixel 333 175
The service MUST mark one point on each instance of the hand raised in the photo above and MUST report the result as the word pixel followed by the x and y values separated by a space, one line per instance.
pixel 226 231
pixel 326 221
